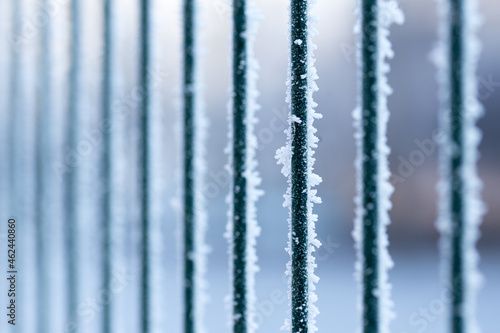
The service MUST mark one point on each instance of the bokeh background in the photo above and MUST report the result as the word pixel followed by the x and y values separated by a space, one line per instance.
pixel 419 296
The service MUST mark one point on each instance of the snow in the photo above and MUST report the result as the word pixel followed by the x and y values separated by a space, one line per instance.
pixel 284 157
pixel 473 205
pixel 389 13
pixel 439 57
pixel 228 235
pixel 294 118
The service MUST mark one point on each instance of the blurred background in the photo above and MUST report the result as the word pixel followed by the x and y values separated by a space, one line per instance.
pixel 419 296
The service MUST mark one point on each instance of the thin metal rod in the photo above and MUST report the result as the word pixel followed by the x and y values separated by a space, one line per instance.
pixel 300 220
pixel 456 59
pixel 189 94
pixel 107 163
pixel 71 179
pixel 370 114
pixel 240 95
pixel 145 156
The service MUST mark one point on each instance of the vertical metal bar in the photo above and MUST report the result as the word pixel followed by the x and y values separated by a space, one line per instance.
pixel 72 135
pixel 239 190
pixel 370 170
pixel 14 92
pixel 107 162
pixel 145 155
pixel 42 144
pixel 189 95
pixel 300 221
pixel 457 99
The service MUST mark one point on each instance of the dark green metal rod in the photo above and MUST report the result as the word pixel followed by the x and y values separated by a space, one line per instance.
pixel 72 238
pixel 189 170
pixel 14 91
pixel 240 96
pixel 370 248
pixel 145 152
pixel 457 99
pixel 107 162
pixel 299 243
pixel 42 144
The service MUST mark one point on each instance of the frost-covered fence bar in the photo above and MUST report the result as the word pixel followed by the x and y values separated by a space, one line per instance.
pixel 461 207
pixel 456 181
pixel 373 187
pixel 43 117
pixel 14 93
pixel 145 165
pixel 370 204
pixel 242 225
pixel 107 167
pixel 193 210
pixel 188 172
pixel 297 160
pixel 72 137
pixel 299 243
pixel 239 161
